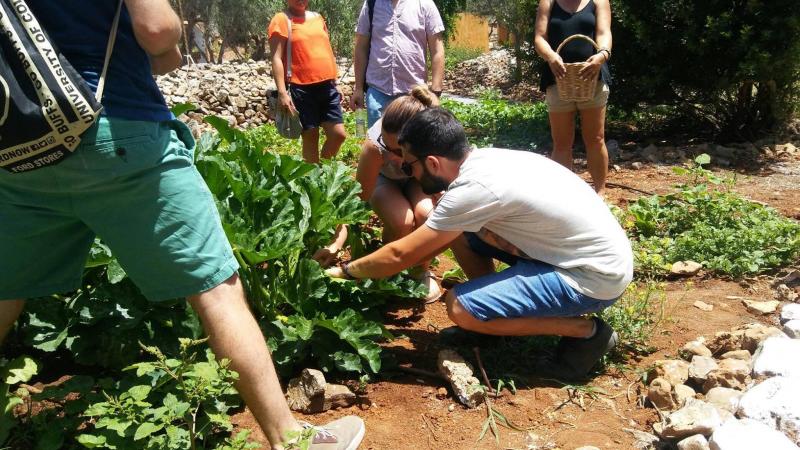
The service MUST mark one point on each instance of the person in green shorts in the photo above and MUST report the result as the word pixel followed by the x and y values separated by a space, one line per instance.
pixel 133 183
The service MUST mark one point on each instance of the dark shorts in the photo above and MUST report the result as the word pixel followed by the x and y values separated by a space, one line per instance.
pixel 317 103
pixel 528 288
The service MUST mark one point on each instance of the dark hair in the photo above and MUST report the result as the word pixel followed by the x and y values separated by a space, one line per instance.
pixel 403 108
pixel 434 131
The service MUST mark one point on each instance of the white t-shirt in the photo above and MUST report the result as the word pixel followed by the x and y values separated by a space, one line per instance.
pixel 544 210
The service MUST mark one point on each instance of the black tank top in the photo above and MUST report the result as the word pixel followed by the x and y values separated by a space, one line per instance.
pixel 563 24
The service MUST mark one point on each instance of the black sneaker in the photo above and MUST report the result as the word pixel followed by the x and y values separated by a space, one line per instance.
pixel 575 357
pixel 459 337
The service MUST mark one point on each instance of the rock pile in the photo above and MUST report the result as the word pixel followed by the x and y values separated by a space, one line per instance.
pixel 234 91
pixel 310 393
pixel 738 390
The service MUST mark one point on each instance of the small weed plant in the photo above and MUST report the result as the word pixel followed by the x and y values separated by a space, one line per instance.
pixel 174 403
pixel 636 315
pixel 456 55
pixel 705 221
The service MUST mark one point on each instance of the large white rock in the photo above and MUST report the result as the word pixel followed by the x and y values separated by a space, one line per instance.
pixel 748 435
pixel 675 371
pixel 757 307
pixel 792 328
pixel 775 402
pixel 696 442
pixel 696 347
pixel 790 311
pixel 725 399
pixel 697 417
pixel 699 368
pixel 777 356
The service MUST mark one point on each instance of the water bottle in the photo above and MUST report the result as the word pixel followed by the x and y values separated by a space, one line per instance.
pixel 361 123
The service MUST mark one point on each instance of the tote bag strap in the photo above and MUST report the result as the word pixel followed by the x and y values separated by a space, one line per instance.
pixel 112 38
pixel 288 49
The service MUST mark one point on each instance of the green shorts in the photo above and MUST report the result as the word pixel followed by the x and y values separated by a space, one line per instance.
pixel 135 186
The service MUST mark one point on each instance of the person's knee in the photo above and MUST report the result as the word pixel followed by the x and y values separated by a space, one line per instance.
pixel 337 135
pixel 400 223
pixel 421 212
pixel 457 313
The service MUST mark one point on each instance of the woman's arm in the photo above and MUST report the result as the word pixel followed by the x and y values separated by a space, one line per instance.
pixel 540 40
pixel 369 166
pixel 603 39
pixel 277 44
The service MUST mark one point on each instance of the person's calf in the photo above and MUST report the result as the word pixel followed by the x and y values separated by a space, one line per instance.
pixel 10 310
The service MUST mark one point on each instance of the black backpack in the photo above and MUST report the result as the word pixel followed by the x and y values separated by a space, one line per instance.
pixel 45 105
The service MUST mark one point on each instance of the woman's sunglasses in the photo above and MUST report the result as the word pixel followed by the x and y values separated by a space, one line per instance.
pixel 394 151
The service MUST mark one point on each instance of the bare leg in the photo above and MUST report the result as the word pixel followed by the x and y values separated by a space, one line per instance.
pixel 593 130
pixel 473 264
pixel 311 145
pixel 394 210
pixel 235 335
pixel 334 137
pixel 523 326
pixel 422 205
pixel 562 128
pixel 9 312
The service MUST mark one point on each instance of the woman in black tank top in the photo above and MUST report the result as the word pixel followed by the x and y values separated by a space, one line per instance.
pixel 556 20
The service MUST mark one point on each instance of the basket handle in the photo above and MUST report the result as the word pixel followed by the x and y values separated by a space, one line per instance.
pixel 577 36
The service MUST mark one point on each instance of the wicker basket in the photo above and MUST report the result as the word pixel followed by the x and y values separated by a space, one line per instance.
pixel 572 88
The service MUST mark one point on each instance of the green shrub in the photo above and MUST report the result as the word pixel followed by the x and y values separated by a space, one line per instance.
pixel 501 123
pixel 705 221
pixel 730 66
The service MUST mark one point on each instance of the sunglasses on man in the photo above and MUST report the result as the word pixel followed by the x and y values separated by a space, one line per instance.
pixel 405 167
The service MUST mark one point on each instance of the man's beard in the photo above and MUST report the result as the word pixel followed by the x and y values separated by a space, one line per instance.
pixel 432 184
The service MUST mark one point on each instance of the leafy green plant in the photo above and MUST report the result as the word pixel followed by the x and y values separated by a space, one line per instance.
pixel 173 403
pixel 705 221
pixel 13 372
pixel 498 122
pixel 277 210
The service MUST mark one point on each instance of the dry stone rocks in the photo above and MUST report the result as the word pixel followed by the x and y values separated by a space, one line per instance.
pixel 674 371
pixel 759 307
pixel 744 355
pixel 790 311
pixel 459 373
pixel 682 393
pixel 700 367
pixel 696 417
pixel 696 442
pixel 726 341
pixel 660 394
pixel 643 440
pixel 792 328
pixel 774 402
pixel 730 373
pixel 777 356
pixel 696 347
pixel 684 268
pixel 784 293
pixel 724 399
pixel 310 393
pixel 755 334
pixel 703 306
pixel 748 435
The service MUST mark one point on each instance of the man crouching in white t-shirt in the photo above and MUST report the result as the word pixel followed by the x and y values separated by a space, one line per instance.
pixel 568 256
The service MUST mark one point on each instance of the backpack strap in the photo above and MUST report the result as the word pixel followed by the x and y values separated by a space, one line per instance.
pixel 112 38
pixel 288 49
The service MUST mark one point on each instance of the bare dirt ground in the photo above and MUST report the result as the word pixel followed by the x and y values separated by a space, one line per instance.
pixel 404 412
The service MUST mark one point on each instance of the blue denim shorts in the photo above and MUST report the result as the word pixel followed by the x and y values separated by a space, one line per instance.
pixel 376 102
pixel 528 288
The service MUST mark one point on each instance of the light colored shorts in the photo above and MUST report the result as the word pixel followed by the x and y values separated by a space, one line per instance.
pixel 554 103
pixel 133 184
pixel 528 288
